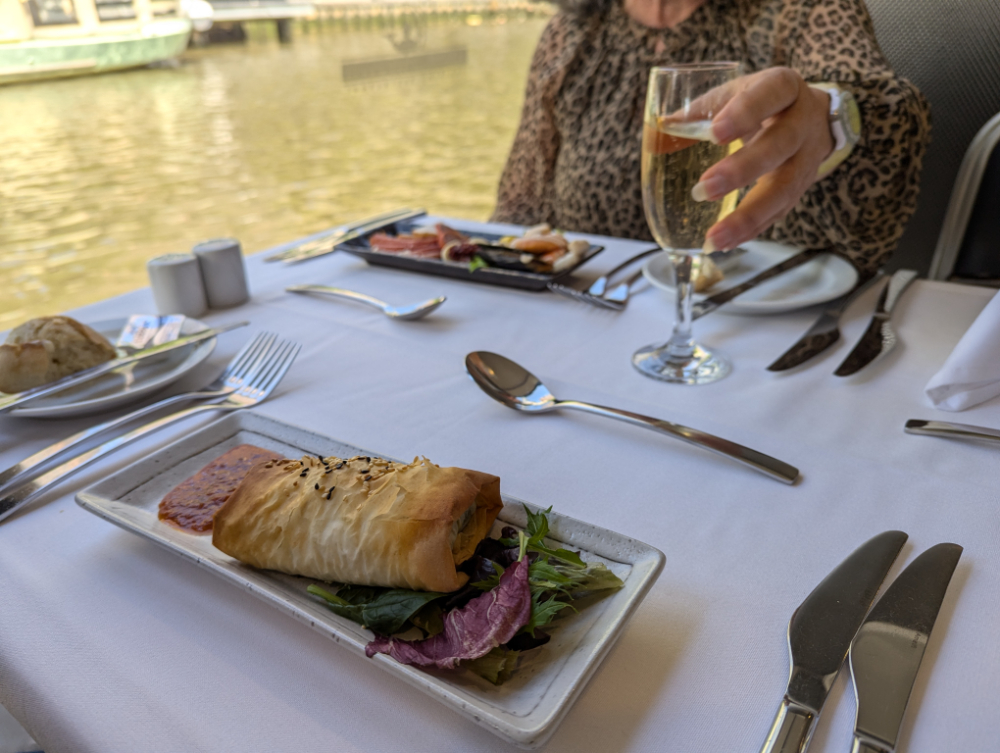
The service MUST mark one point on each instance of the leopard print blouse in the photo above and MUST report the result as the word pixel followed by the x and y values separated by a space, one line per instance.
pixel 575 162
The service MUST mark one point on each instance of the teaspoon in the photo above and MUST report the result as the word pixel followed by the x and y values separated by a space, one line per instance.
pixel 517 388
pixel 415 311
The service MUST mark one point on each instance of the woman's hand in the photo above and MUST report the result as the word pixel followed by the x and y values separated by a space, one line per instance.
pixel 785 128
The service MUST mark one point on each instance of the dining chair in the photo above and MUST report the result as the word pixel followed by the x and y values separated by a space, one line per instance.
pixel 950 49
pixel 968 249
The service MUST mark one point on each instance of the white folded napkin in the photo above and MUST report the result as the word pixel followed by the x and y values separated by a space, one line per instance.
pixel 971 374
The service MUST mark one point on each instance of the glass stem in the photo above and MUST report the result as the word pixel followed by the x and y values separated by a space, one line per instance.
pixel 681 344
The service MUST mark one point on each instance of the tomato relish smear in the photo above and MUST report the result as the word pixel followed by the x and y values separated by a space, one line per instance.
pixel 192 504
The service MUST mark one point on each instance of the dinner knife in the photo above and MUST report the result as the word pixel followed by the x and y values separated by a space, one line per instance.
pixel 820 634
pixel 16 399
pixel 825 331
pixel 707 305
pixel 949 429
pixel 880 337
pixel 889 647
pixel 328 242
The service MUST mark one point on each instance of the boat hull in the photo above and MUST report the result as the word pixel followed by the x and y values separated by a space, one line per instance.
pixel 57 58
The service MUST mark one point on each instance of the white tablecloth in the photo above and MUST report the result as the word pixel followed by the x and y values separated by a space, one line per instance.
pixel 108 643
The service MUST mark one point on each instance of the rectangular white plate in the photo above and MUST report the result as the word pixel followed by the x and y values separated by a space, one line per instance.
pixel 525 710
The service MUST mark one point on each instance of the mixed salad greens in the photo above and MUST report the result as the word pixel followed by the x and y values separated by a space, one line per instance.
pixel 517 585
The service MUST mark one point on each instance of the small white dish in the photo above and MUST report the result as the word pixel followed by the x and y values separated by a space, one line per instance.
pixel 126 385
pixel 525 710
pixel 822 279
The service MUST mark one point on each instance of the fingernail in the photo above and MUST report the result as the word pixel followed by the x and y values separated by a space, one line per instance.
pixel 707 190
pixel 721 132
pixel 709 247
pixel 721 240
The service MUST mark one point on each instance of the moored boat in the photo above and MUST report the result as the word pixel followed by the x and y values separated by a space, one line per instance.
pixel 42 39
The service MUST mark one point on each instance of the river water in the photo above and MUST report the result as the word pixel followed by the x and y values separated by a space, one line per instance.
pixel 258 141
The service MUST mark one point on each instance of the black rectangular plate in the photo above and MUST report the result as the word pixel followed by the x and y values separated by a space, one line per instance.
pixel 490 275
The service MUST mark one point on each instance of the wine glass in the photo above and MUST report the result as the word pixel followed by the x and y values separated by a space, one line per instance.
pixel 677 148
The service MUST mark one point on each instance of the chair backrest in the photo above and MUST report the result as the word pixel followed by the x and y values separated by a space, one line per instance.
pixel 950 49
pixel 969 246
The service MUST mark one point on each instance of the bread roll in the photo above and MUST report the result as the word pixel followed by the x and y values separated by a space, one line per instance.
pixel 364 520
pixel 49 348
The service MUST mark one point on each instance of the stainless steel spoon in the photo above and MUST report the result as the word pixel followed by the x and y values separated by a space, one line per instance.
pixel 394 312
pixel 517 388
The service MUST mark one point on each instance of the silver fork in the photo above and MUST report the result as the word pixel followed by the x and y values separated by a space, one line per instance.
pixel 274 365
pixel 599 286
pixel 243 366
pixel 620 293
pixel 583 296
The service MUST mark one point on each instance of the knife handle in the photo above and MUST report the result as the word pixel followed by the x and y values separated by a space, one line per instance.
pixel 863 746
pixel 710 304
pixel 899 282
pixel 792 729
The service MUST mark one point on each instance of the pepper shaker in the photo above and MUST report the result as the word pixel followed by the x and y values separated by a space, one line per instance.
pixel 177 284
pixel 223 272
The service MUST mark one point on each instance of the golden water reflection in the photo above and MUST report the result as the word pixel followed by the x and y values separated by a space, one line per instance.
pixel 262 142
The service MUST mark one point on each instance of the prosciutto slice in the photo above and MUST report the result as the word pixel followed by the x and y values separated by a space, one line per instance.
pixel 473 631
pixel 411 245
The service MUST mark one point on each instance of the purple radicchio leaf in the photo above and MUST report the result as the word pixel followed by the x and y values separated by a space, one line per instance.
pixel 472 631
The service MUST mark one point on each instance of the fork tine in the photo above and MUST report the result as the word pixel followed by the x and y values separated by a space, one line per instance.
pixel 250 357
pixel 264 382
pixel 239 361
pixel 286 364
pixel 265 368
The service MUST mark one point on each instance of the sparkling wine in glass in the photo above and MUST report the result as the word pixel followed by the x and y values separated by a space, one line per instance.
pixel 677 148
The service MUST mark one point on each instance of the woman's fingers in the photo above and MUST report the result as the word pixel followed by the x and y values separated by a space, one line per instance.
pixel 792 138
pixel 762 96
pixel 773 196
pixel 767 151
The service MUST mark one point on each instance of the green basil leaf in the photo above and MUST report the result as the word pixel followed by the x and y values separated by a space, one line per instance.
pixel 359 594
pixel 391 610
pixel 338 605
pixel 382 610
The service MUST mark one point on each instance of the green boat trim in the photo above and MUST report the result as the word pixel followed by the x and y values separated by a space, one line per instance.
pixel 74 56
pixel 42 39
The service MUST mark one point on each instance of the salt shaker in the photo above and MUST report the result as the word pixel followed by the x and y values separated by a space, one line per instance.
pixel 223 272
pixel 177 284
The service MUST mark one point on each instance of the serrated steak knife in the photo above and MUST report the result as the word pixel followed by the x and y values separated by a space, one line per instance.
pixel 825 332
pixel 819 635
pixel 880 337
pixel 887 650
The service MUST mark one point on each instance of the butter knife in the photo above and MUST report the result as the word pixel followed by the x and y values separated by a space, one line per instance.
pixel 826 330
pixel 820 634
pixel 879 338
pixel 327 242
pixel 707 305
pixel 14 400
pixel 887 651
pixel 949 429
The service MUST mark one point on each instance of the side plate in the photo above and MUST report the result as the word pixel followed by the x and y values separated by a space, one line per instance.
pixel 525 711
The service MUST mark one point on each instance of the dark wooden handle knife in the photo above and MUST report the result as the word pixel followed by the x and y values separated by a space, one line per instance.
pixel 713 302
